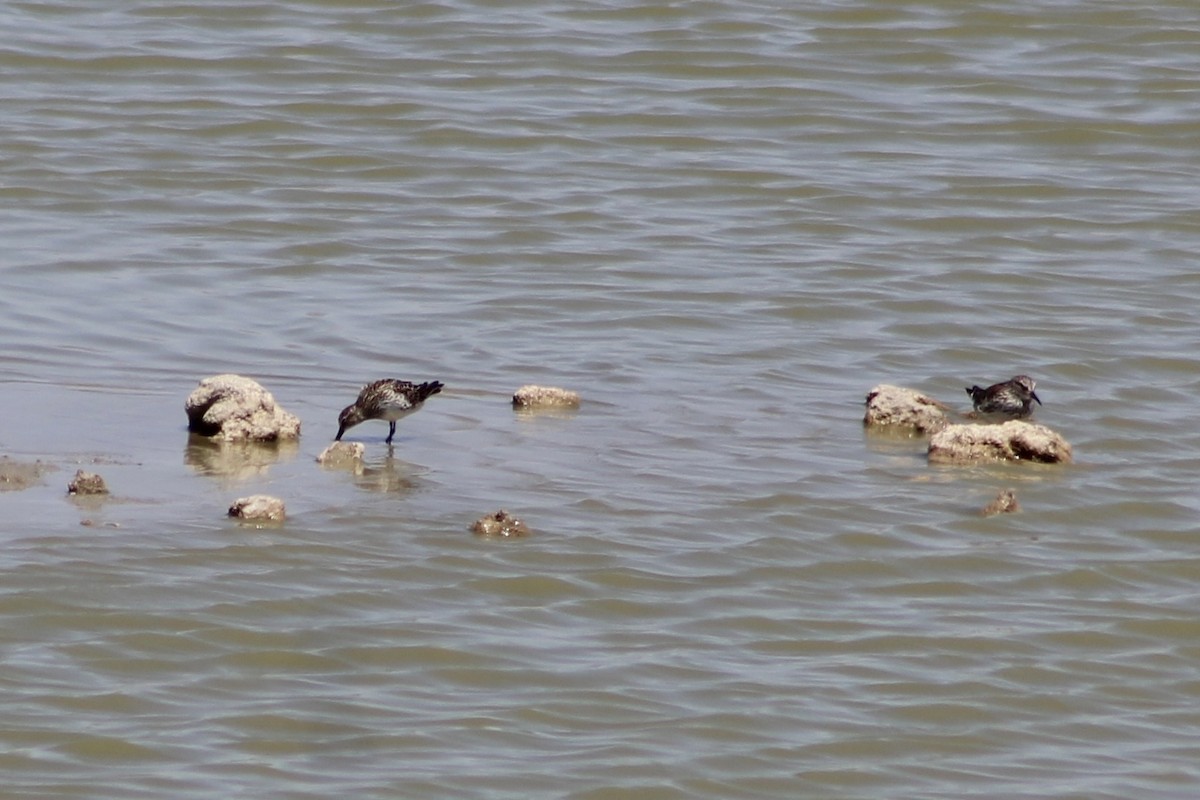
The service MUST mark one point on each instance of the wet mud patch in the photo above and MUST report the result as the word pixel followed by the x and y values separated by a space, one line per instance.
pixel 18 475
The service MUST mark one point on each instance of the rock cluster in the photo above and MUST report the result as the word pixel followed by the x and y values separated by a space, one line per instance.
pixel 235 408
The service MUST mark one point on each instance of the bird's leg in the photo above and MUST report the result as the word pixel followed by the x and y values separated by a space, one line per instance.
pixel 391 431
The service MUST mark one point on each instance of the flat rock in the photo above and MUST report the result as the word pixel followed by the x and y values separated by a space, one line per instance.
pixel 1015 440
pixel 87 483
pixel 532 397
pixel 897 407
pixel 258 508
pixel 233 407
pixel 500 524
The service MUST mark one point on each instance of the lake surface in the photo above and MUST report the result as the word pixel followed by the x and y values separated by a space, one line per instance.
pixel 721 223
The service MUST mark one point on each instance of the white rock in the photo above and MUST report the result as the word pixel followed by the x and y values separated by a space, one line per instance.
pixel 1015 440
pixel 898 407
pixel 258 508
pixel 233 407
pixel 532 396
pixel 341 454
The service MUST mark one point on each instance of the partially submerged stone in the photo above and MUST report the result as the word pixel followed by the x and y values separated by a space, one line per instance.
pixel 233 407
pixel 342 454
pixel 1004 503
pixel 86 483
pixel 258 508
pixel 500 524
pixel 91 523
pixel 533 397
pixel 1015 440
pixel 897 407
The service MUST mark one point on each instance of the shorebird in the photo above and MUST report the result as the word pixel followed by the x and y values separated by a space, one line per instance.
pixel 388 399
pixel 1012 398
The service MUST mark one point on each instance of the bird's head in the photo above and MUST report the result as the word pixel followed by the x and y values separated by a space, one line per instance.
pixel 351 415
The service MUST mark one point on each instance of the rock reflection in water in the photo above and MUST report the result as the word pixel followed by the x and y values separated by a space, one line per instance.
pixel 391 476
pixel 235 461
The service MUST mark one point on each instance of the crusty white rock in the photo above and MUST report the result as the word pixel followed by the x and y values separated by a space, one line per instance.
pixel 233 407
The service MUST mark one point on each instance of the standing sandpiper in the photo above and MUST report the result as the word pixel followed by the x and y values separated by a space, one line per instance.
pixel 388 399
pixel 1012 398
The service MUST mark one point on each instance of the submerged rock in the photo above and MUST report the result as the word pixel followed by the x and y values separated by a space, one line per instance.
pixel 897 407
pixel 258 508
pixel 233 407
pixel 17 475
pixel 85 483
pixel 1015 440
pixel 532 397
pixel 500 524
pixel 1004 503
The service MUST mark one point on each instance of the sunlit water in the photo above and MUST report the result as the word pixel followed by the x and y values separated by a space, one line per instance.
pixel 722 224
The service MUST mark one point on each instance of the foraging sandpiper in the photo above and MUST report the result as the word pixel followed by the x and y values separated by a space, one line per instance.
pixel 388 399
pixel 1011 398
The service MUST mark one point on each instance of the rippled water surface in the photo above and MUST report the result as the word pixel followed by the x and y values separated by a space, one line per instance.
pixel 722 224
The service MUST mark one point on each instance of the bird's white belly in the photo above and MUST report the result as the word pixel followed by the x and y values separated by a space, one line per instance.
pixel 393 413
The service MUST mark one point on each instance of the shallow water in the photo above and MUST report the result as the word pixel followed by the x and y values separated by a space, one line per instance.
pixel 722 224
